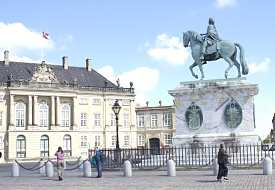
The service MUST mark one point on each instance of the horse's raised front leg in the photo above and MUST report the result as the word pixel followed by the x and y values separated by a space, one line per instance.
pixel 191 69
pixel 230 62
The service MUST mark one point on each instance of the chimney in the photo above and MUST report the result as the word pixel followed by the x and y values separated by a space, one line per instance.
pixel 160 103
pixel 65 62
pixel 89 64
pixel 6 57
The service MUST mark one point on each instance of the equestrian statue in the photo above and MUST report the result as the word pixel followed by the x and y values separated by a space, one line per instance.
pixel 209 47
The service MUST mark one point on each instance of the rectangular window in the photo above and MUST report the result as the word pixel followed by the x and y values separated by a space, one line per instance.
pixel 20 113
pixel 83 119
pixel 126 120
pixel 97 119
pixel 154 121
pixel 126 102
pixel 83 101
pixel 113 140
pixel 126 140
pixel 113 119
pixel 1 118
pixel 167 117
pixel 21 148
pixel 168 139
pixel 44 146
pixel 141 140
pixel 1 142
pixel 96 101
pixel 83 142
pixel 67 145
pixel 140 120
pixel 97 140
pixel 66 115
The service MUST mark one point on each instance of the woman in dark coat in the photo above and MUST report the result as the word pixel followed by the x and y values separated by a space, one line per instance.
pixel 222 161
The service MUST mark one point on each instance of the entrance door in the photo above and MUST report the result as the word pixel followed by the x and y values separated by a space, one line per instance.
pixel 154 145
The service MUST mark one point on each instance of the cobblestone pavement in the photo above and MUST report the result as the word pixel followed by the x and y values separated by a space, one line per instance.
pixel 141 180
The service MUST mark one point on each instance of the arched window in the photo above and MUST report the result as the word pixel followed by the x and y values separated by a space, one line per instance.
pixel 43 114
pixel 66 115
pixel 44 146
pixel 67 145
pixel 21 146
pixel 20 114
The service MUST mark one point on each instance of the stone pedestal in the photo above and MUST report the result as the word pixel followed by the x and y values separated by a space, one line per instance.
pixel 215 111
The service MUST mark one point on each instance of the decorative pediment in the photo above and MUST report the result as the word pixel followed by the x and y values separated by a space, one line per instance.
pixel 44 73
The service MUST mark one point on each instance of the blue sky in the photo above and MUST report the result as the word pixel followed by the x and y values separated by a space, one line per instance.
pixel 140 41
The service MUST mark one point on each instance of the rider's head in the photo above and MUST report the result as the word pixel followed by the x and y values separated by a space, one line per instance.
pixel 211 21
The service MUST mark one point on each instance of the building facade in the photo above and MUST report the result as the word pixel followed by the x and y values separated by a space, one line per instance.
pixel 272 132
pixel 155 126
pixel 46 106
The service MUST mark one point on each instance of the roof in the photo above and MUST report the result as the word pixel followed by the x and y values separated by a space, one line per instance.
pixel 155 108
pixel 24 71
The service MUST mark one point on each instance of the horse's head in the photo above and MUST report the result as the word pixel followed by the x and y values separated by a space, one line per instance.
pixel 186 39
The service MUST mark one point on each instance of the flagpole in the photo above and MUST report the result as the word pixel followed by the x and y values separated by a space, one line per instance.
pixel 45 36
pixel 42 54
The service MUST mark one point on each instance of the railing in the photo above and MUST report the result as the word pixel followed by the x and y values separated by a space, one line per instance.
pixel 32 84
pixel 239 156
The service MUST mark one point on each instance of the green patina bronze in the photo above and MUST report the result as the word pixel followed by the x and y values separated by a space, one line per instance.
pixel 233 114
pixel 209 47
pixel 193 116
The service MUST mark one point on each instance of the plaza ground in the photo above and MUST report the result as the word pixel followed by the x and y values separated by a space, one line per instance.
pixel 153 179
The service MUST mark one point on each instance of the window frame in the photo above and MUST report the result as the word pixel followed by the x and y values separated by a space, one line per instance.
pixel 20 146
pixel 97 119
pixel 43 114
pixel 167 119
pixel 141 121
pixel 45 141
pixel 20 115
pixel 67 150
pixel 66 115
pixel 154 121
pixel 83 119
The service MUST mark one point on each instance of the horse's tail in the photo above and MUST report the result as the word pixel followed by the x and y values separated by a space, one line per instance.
pixel 242 60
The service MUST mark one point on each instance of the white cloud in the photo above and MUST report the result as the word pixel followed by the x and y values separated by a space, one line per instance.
pixel 262 66
pixel 168 49
pixel 144 79
pixel 17 36
pixel 225 3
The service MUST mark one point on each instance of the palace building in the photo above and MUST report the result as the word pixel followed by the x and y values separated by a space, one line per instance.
pixel 44 106
pixel 155 126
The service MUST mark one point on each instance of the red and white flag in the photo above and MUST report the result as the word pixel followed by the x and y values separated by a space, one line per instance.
pixel 45 35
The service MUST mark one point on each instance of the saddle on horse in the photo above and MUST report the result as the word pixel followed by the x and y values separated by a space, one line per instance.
pixel 211 49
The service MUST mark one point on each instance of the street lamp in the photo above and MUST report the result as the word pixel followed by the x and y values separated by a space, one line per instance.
pixel 116 109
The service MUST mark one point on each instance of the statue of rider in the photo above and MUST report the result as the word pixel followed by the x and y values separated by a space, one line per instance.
pixel 211 36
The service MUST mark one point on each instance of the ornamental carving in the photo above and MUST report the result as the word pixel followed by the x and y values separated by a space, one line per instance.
pixel 44 73
pixel 233 114
pixel 193 116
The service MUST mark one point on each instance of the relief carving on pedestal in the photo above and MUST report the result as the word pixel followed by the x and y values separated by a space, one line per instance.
pixel 193 116
pixel 233 114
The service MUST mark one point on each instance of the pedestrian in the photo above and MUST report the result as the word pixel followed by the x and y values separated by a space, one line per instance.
pixel 222 161
pixel 60 163
pixel 98 161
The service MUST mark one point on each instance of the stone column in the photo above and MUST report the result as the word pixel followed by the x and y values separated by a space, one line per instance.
pixel 30 111
pixel 52 111
pixel 75 113
pixel 35 111
pixel 57 111
pixel 11 122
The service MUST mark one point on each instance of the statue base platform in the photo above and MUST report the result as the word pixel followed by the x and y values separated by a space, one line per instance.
pixel 215 111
